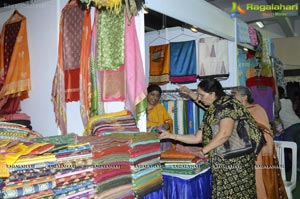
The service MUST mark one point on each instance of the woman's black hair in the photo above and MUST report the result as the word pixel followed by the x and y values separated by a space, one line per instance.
pixel 210 85
pixel 244 91
pixel 154 87
pixel 281 92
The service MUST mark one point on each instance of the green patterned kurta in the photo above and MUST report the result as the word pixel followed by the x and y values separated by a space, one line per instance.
pixel 231 178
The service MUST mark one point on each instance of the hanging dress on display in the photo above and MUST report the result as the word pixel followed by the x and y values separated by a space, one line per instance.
pixel 159 64
pixel 213 57
pixel 71 81
pixel 183 64
pixel 14 64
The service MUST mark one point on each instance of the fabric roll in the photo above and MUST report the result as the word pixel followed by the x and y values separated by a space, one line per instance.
pixel 180 116
pixel 190 117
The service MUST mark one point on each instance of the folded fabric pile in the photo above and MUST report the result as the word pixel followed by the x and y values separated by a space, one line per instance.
pixel 126 165
pixel 177 162
pixel 13 131
pixel 112 174
pixel 31 169
pixel 118 122
pixel 18 118
pixel 143 155
pixel 74 177
pixel 74 169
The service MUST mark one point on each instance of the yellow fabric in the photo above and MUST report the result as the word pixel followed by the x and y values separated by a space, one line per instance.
pixel 35 160
pixel 18 150
pixel 17 80
pixel 159 64
pixel 103 117
pixel 157 116
pixel 114 6
pixel 3 168
pixel 3 143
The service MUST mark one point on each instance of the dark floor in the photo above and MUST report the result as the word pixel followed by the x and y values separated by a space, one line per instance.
pixel 296 192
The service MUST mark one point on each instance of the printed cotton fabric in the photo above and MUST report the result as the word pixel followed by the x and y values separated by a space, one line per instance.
pixel 213 57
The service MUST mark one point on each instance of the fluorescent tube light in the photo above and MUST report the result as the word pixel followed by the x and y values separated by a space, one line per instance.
pixel 260 24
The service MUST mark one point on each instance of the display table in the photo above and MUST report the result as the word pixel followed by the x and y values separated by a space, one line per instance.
pixel 184 186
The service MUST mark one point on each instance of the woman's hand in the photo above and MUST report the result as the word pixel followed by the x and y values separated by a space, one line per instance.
pixel 184 90
pixel 165 135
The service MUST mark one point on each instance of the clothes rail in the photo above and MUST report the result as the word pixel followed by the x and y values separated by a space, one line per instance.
pixel 194 90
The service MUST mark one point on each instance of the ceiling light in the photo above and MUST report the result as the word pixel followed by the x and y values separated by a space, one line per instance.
pixel 260 24
pixel 194 29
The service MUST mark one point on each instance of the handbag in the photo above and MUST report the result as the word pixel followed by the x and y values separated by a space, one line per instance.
pixel 239 143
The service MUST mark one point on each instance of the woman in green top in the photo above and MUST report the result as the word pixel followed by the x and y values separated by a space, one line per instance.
pixel 232 176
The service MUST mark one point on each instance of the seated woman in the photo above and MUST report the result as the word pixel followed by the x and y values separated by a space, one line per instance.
pixel 157 116
pixel 269 182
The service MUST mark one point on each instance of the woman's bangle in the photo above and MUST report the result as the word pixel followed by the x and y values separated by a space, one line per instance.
pixel 201 151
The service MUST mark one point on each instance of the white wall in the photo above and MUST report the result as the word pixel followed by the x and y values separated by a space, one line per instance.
pixel 42 24
pixel 42 30
pixel 198 13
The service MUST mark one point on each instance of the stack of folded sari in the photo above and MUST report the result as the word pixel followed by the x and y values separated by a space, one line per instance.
pixel 177 162
pixel 74 169
pixel 13 131
pixel 145 165
pixel 144 152
pixel 118 122
pixel 111 168
pixel 31 169
pixel 74 176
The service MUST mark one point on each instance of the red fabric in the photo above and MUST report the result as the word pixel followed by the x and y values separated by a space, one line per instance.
pixel 72 84
pixel 110 151
pixel 261 81
pixel 42 149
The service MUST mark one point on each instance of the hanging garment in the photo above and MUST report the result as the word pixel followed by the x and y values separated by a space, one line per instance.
pixel 96 107
pixel 72 67
pixel 112 84
pixel 110 40
pixel 243 65
pixel 253 36
pixel 242 32
pixel 279 73
pixel 183 68
pixel 136 90
pixel 213 57
pixel 190 117
pixel 14 64
pixel 159 64
pixel 263 91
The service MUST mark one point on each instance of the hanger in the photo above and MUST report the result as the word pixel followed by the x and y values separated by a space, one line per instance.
pixel 16 16
pixel 157 38
pixel 183 33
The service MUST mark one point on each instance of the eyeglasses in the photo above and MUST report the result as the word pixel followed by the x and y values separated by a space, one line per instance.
pixel 202 95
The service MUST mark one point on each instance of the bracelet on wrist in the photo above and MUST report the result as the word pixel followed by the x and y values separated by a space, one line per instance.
pixel 201 151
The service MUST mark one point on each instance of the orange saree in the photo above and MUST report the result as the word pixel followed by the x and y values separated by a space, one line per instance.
pixel 14 63
pixel 72 81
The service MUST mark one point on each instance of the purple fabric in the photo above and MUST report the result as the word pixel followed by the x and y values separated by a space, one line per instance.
pixel 264 97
